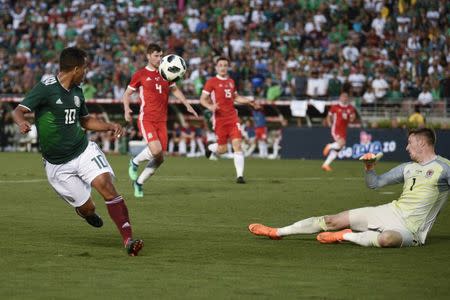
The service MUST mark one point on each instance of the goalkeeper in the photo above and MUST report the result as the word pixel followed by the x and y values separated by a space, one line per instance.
pixel 401 223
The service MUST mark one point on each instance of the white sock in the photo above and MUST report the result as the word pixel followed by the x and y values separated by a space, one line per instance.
pixel 171 146
pixel 335 146
pixel 142 156
pixel 239 163
pixel 250 150
pixel 262 147
pixel 365 239
pixel 265 151
pixel 332 156
pixel 147 172
pixel 192 146
pixel 182 147
pixel 311 225
pixel 213 147
pixel 276 147
pixel 201 147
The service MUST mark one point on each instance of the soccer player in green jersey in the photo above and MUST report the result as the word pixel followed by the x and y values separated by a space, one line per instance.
pixel 401 223
pixel 72 163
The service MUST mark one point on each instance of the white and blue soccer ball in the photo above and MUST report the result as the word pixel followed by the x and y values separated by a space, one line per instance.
pixel 172 67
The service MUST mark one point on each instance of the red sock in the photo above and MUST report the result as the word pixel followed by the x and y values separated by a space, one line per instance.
pixel 118 212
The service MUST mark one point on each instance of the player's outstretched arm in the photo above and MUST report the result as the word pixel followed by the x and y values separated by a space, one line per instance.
pixel 180 96
pixel 245 100
pixel 91 123
pixel 20 120
pixel 126 99
pixel 393 176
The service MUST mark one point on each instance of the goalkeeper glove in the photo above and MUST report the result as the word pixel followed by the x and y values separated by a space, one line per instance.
pixel 370 159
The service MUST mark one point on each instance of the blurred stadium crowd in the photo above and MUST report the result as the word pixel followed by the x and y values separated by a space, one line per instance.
pixel 388 50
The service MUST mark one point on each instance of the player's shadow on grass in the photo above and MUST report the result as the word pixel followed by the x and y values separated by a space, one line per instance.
pixel 89 241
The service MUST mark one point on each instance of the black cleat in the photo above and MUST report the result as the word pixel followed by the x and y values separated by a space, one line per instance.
pixel 134 246
pixel 207 151
pixel 94 220
pixel 240 180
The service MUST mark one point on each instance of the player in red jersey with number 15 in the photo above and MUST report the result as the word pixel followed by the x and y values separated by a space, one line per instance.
pixel 339 116
pixel 218 95
pixel 154 97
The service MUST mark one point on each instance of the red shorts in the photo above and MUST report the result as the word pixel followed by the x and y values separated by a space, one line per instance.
pixel 261 133
pixel 229 130
pixel 339 135
pixel 154 131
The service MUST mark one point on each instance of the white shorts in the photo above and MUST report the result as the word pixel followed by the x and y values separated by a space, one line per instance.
pixel 72 180
pixel 211 136
pixel 381 218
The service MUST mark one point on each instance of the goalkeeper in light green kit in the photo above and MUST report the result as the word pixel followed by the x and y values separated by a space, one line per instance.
pixel 401 223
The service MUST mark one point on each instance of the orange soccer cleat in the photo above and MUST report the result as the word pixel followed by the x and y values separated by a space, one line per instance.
pixel 260 229
pixel 326 168
pixel 332 237
pixel 326 150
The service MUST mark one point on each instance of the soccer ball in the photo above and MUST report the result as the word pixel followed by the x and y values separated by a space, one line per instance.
pixel 172 67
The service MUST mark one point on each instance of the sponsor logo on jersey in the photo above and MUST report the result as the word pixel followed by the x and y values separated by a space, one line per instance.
pixel 157 78
pixel 429 173
pixel 77 101
pixel 148 79
pixel 59 101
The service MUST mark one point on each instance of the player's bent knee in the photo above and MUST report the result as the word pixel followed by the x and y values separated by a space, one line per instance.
pixel 104 185
pixel 159 158
pixel 337 221
pixel 390 239
pixel 221 149
pixel 332 222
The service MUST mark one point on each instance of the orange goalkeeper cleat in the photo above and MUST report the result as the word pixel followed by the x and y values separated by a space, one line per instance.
pixel 326 150
pixel 326 168
pixel 332 237
pixel 260 229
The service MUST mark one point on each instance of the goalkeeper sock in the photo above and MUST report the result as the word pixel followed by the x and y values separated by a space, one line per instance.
pixel 311 225
pixel 365 239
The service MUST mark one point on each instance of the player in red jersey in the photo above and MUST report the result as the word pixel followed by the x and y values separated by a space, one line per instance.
pixel 218 95
pixel 339 116
pixel 154 97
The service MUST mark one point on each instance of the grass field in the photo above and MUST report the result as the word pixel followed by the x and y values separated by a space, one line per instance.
pixel 194 222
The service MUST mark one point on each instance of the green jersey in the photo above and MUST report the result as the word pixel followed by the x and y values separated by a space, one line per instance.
pixel 58 112
pixel 425 191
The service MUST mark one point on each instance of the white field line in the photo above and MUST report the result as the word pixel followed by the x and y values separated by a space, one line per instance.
pixel 216 179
